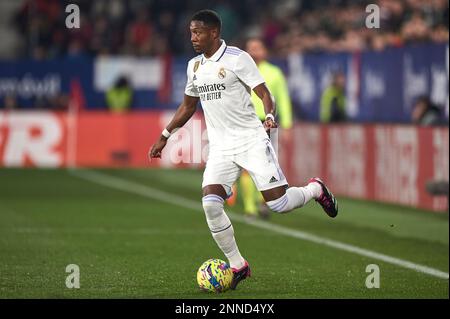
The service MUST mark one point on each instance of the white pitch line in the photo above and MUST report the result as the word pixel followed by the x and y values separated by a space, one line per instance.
pixel 150 192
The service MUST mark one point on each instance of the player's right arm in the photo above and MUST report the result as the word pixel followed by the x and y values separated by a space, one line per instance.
pixel 182 115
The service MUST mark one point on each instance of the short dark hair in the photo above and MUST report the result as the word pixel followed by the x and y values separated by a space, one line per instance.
pixel 256 38
pixel 209 17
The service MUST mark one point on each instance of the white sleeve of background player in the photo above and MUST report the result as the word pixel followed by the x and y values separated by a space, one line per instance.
pixel 247 71
pixel 190 88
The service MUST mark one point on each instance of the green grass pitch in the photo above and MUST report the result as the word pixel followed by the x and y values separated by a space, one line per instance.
pixel 129 244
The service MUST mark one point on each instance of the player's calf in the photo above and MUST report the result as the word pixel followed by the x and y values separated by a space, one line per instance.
pixel 221 229
pixel 293 198
pixel 296 197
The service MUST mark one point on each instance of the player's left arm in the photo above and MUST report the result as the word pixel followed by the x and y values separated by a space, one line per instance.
pixel 268 101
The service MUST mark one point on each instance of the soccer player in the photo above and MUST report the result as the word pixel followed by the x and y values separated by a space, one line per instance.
pixel 276 83
pixel 222 77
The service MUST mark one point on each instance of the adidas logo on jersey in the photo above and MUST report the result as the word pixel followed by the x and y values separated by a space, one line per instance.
pixel 195 77
pixel 273 180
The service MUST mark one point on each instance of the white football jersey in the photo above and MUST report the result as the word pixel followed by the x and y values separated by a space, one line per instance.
pixel 224 83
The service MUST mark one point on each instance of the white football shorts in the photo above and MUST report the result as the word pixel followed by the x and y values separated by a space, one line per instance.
pixel 259 160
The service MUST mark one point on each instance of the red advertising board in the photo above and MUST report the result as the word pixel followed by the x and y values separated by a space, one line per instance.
pixel 388 163
pixel 33 139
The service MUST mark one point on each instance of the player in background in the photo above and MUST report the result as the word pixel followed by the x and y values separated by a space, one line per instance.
pixel 222 78
pixel 276 83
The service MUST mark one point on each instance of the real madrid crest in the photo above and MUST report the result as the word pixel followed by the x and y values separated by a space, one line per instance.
pixel 196 65
pixel 222 73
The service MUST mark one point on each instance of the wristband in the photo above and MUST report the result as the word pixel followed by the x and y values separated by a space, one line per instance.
pixel 166 133
pixel 270 116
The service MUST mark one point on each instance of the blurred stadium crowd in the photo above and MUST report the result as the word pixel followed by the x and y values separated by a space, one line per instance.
pixel 157 27
pixel 39 54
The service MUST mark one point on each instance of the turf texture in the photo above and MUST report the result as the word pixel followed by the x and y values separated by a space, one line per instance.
pixel 132 246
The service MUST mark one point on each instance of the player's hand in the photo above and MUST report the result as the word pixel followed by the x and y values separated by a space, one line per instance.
pixel 155 151
pixel 269 124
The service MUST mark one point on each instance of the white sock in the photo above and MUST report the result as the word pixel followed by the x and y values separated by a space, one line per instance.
pixel 295 197
pixel 226 242
pixel 222 230
pixel 315 189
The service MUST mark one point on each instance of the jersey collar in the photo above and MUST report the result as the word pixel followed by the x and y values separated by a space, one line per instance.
pixel 216 56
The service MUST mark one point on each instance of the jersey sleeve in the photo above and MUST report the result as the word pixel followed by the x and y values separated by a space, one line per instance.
pixel 190 88
pixel 247 71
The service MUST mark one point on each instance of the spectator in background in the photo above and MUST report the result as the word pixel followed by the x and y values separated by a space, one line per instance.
pixel 332 102
pixel 425 112
pixel 439 34
pixel 140 27
pixel 140 33
pixel 271 29
pixel 101 36
pixel 120 96
pixel 416 29
pixel 230 20
pixel 277 85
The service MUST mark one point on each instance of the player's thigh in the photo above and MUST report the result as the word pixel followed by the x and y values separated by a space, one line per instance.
pixel 220 171
pixel 261 162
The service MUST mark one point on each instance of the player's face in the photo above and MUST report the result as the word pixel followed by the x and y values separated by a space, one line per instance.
pixel 257 50
pixel 340 81
pixel 202 37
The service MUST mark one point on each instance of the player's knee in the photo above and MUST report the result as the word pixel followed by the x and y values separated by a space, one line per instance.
pixel 215 215
pixel 212 204
pixel 280 205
